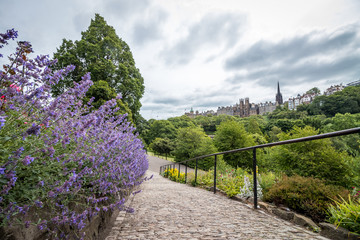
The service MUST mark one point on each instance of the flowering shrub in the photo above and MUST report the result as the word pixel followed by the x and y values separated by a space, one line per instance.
pixel 173 174
pixel 58 159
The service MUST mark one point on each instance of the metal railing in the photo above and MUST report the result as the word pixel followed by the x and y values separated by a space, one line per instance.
pixel 253 148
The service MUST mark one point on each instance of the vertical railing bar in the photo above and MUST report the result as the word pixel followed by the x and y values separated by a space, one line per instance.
pixel 179 171
pixel 196 167
pixel 185 172
pixel 255 181
pixel 215 175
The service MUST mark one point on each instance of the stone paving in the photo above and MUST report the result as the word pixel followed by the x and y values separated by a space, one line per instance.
pixel 169 210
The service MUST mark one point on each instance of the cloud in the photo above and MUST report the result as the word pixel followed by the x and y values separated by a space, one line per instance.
pixel 82 21
pixel 308 58
pixel 213 30
pixel 150 27
pixel 123 9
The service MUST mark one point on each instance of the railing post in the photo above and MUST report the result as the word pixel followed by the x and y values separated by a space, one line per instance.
pixel 185 172
pixel 255 181
pixel 215 175
pixel 160 169
pixel 179 171
pixel 196 166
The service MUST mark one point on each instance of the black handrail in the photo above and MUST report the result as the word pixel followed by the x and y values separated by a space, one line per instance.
pixel 303 139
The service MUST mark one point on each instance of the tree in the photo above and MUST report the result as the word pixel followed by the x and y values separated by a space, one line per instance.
pixel 193 142
pixel 253 126
pixel 349 143
pixel 162 145
pixel 107 57
pixel 317 159
pixel 345 101
pixel 273 134
pixel 284 124
pixel 314 90
pixel 160 129
pixel 232 135
pixel 182 122
pixel 207 123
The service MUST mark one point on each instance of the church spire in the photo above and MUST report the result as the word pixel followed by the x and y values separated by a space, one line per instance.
pixel 278 92
pixel 278 97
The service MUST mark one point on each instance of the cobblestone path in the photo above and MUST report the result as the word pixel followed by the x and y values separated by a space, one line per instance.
pixel 169 210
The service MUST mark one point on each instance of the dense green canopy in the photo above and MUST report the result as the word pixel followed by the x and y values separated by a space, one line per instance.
pixel 107 57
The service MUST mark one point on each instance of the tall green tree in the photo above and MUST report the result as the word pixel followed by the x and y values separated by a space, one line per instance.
pixel 107 57
pixel 160 129
pixel 193 142
pixel 162 145
pixel 232 135
pixel 253 126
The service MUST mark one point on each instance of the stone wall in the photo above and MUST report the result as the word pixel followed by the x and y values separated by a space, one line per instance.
pixel 93 229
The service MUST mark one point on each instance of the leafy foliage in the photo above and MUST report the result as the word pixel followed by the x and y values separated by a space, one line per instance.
pixel 182 122
pixel 162 145
pixel 349 143
pixel 107 57
pixel 345 101
pixel 193 142
pixel 305 195
pixel 232 135
pixel 317 158
pixel 160 129
pixel 346 214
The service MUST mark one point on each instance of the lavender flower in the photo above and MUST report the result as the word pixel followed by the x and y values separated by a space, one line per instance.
pixel 33 130
pixel 27 160
pixel 87 153
pixel 2 121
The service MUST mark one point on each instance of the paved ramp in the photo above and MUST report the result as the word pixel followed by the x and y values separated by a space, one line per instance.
pixel 169 210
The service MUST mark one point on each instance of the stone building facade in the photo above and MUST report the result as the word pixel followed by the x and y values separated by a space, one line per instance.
pixel 243 108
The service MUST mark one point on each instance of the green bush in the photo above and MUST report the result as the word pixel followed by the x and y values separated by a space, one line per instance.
pixel 308 196
pixel 317 158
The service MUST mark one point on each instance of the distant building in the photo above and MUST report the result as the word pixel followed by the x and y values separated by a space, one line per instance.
pixel 244 108
pixel 294 102
pixel 355 83
pixel 191 114
pixel 333 89
pixel 266 107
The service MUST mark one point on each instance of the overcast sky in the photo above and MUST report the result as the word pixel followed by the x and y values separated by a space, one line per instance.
pixel 209 53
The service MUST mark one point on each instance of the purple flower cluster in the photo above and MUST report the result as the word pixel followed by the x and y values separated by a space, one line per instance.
pixel 78 161
pixel 4 37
